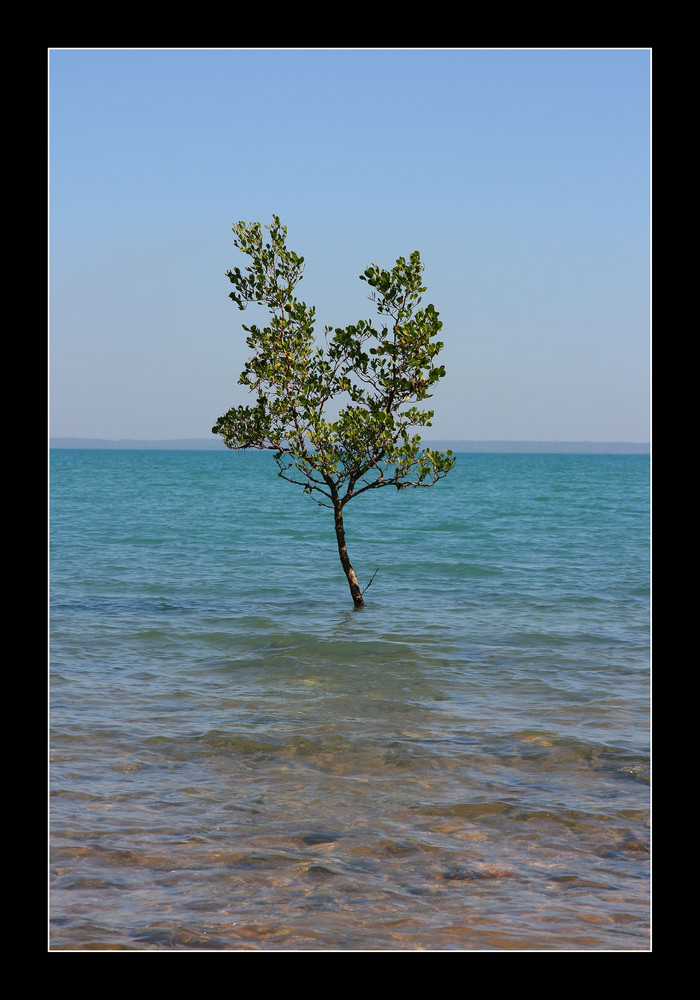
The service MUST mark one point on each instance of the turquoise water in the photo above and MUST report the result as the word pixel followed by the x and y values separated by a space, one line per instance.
pixel 241 760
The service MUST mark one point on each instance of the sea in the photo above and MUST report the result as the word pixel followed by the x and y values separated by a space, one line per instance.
pixel 241 760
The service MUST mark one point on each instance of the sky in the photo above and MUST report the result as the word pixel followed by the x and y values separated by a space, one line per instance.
pixel 522 176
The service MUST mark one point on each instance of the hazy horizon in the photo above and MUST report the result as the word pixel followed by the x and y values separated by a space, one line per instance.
pixel 206 444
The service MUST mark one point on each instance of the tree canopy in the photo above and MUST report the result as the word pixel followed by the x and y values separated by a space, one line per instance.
pixel 339 415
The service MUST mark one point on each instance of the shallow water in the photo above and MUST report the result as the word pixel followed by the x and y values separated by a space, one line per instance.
pixel 241 760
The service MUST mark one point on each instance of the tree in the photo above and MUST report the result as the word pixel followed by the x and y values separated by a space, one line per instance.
pixel 373 377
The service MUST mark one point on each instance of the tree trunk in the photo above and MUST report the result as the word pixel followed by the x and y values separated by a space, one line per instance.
pixel 344 560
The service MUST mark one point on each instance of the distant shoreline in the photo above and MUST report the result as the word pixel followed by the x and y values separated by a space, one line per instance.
pixel 530 447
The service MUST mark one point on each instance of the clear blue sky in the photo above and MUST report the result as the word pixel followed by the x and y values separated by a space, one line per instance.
pixel 522 177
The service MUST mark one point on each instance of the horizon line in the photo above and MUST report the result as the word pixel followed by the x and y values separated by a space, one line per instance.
pixel 452 443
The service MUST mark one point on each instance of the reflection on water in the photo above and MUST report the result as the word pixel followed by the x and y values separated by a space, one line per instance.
pixel 462 768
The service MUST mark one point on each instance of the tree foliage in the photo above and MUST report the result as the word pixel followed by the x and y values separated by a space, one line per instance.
pixel 340 415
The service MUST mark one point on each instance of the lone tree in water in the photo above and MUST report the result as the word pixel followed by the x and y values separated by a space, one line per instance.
pixel 375 375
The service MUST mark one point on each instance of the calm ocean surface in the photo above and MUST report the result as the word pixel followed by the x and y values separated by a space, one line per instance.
pixel 240 760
